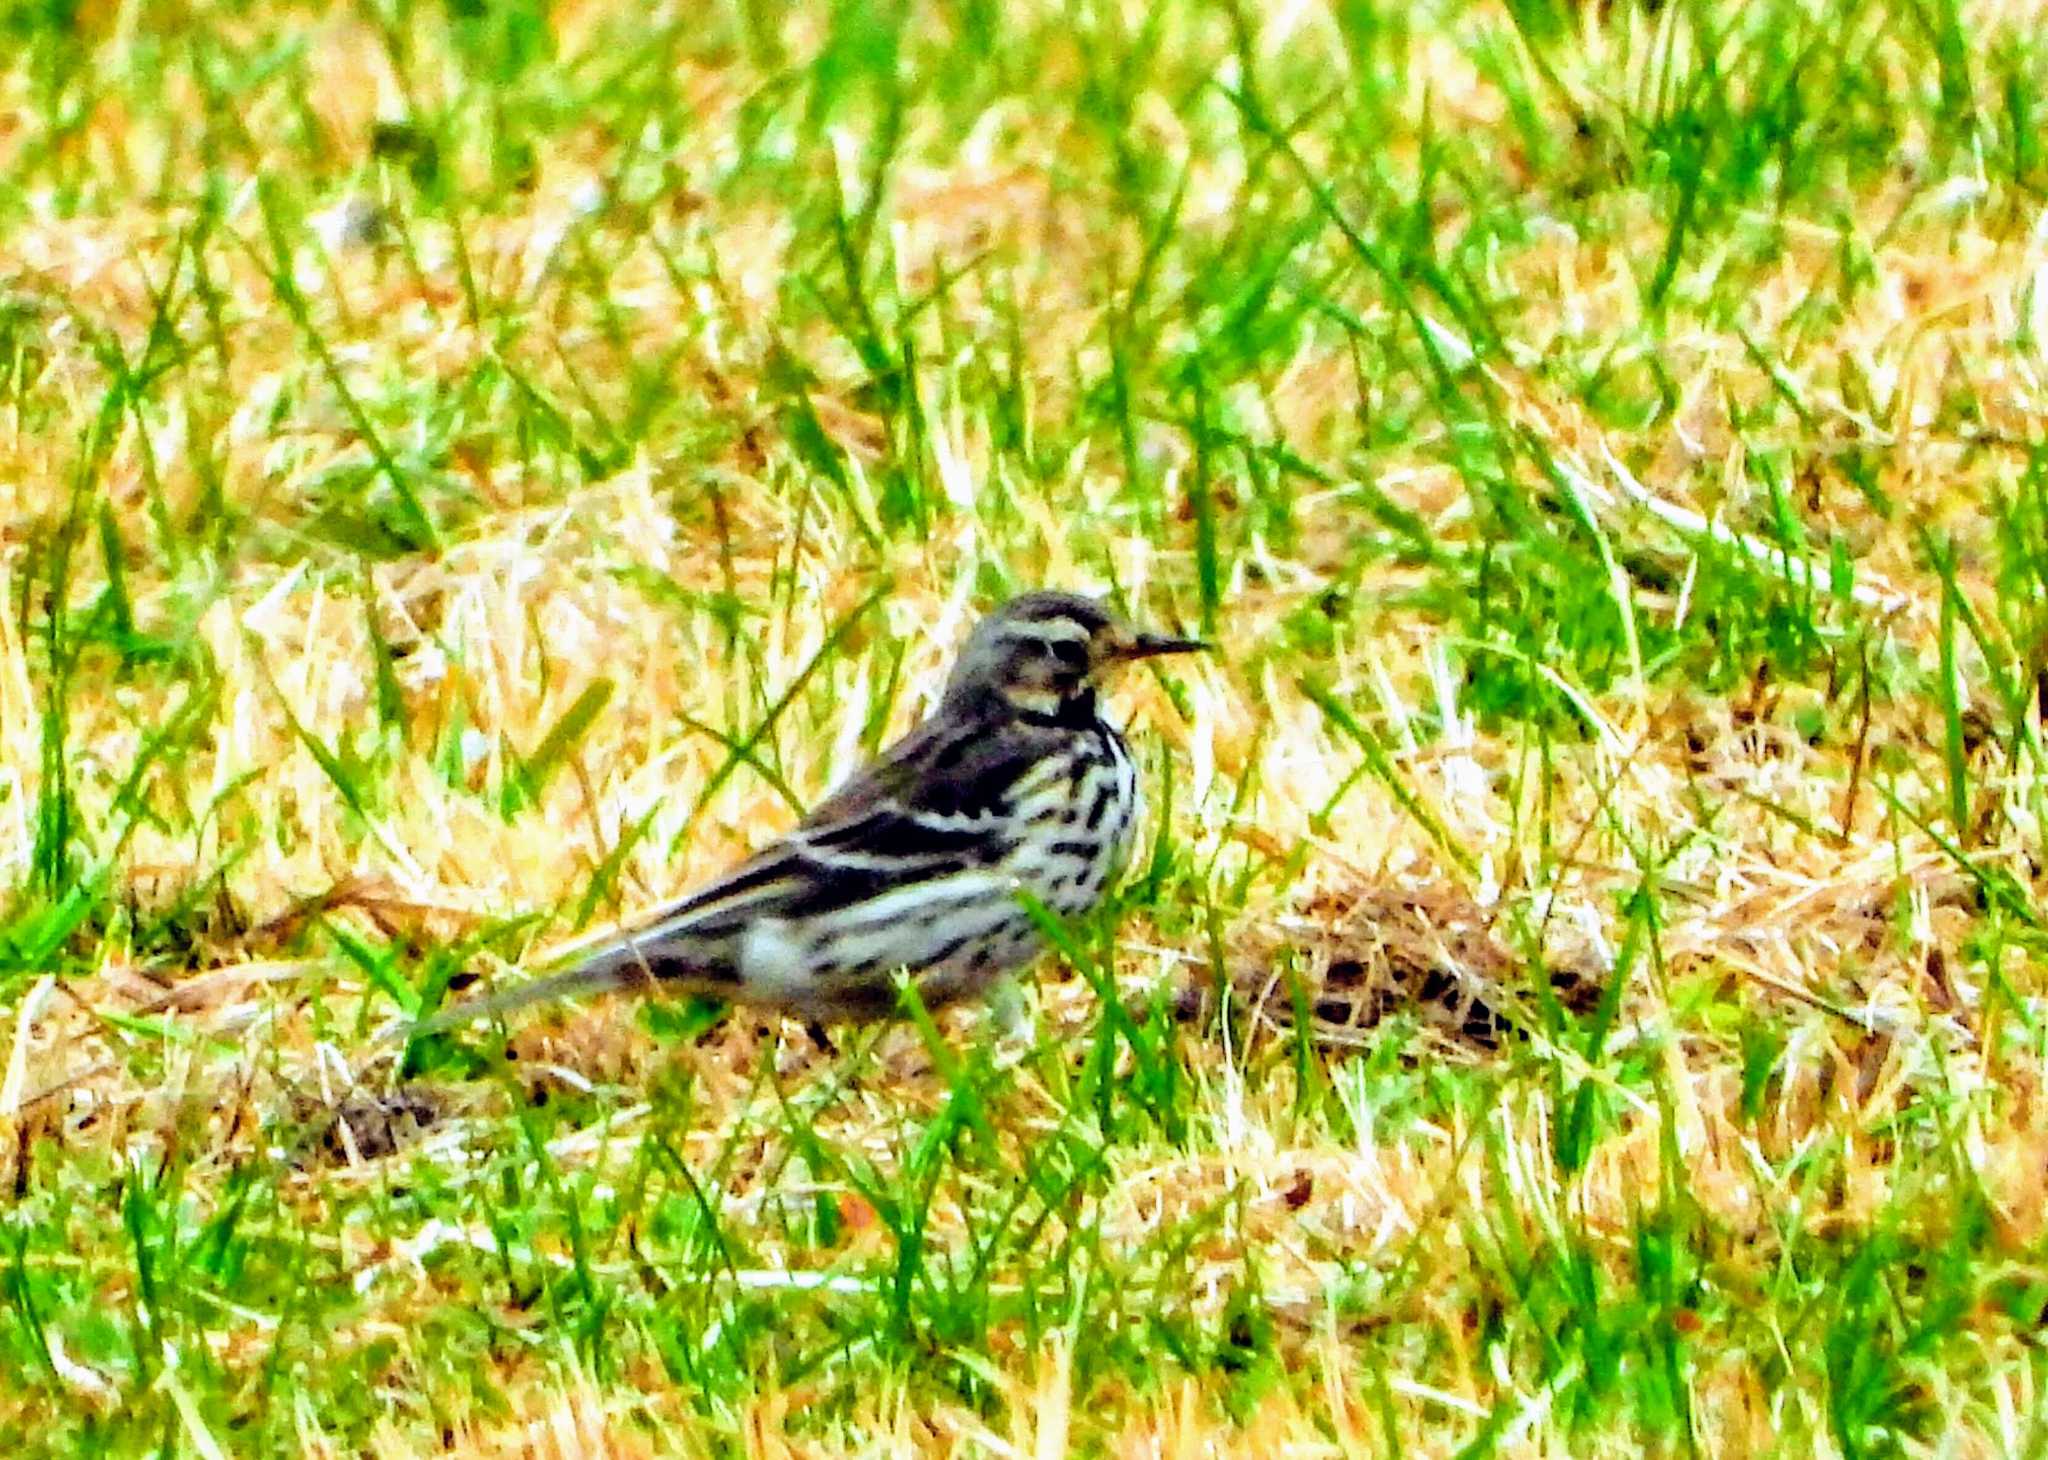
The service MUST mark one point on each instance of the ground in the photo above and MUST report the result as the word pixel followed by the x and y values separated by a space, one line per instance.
pixel 470 472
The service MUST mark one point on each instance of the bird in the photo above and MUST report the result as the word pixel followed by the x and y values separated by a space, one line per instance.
pixel 919 864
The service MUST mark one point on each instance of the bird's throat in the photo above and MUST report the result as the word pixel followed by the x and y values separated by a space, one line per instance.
pixel 1073 710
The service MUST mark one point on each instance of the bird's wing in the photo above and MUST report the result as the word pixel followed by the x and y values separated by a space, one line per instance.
pixel 933 803
pixel 940 795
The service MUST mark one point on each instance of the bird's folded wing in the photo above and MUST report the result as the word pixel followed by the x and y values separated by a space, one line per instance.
pixel 933 805
pixel 943 782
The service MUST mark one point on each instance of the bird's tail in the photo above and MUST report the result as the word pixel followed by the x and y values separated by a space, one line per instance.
pixel 573 984
pixel 608 969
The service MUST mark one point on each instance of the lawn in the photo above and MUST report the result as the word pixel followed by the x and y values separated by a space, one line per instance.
pixel 470 472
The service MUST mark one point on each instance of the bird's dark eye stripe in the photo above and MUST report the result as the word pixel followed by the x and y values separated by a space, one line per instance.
pixel 1070 654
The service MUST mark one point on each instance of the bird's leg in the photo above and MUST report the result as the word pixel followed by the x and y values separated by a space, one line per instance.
pixel 821 1037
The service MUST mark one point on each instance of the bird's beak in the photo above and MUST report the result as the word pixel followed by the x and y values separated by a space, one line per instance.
pixel 1141 645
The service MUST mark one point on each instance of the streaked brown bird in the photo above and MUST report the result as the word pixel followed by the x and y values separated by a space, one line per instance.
pixel 1015 784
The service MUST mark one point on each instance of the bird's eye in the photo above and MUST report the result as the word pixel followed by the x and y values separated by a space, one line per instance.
pixel 1070 654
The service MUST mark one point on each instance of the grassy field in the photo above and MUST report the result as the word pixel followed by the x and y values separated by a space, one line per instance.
pixel 469 471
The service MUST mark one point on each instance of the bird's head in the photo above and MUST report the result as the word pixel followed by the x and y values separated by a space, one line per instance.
pixel 1042 652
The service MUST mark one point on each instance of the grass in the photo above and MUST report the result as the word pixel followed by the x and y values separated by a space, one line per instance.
pixel 474 470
